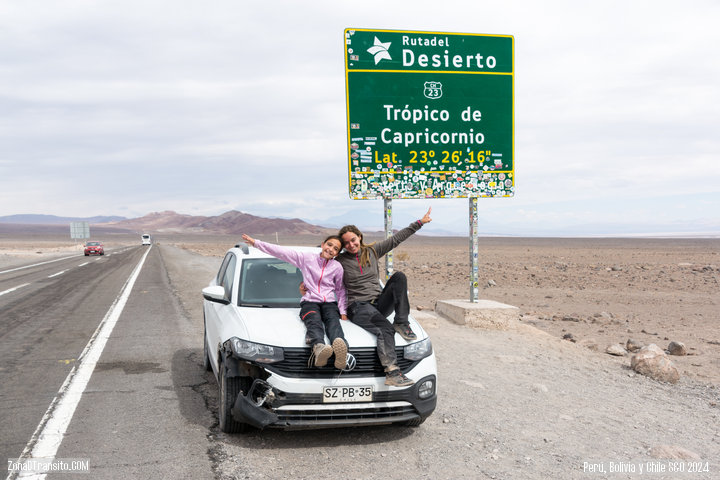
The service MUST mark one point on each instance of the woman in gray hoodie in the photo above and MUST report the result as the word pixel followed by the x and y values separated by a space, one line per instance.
pixel 368 304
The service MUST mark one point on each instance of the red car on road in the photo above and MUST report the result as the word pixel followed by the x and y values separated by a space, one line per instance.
pixel 94 248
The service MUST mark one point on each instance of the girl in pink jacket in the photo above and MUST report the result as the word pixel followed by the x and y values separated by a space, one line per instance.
pixel 325 300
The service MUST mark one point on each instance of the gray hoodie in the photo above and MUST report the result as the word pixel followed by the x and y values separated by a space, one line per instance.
pixel 362 281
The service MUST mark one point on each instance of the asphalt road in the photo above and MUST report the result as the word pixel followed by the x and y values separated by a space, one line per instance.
pixel 138 413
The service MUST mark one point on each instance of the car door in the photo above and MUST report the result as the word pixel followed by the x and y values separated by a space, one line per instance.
pixel 215 311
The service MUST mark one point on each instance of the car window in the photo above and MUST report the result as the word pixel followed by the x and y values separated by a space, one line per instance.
pixel 229 276
pixel 269 282
pixel 223 267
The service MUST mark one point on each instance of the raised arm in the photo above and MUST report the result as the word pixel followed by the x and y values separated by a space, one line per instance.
pixel 384 246
pixel 283 253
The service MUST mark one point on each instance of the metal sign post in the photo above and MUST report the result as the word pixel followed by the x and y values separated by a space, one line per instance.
pixel 388 233
pixel 474 250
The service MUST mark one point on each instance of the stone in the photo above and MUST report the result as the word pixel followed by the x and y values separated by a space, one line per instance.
pixel 632 345
pixel 673 452
pixel 589 343
pixel 652 362
pixel 616 350
pixel 677 348
pixel 486 314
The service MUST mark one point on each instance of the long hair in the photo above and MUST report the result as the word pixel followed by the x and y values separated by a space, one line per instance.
pixel 364 249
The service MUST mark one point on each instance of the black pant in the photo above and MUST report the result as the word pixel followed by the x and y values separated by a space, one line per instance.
pixel 372 316
pixel 315 315
pixel 365 315
pixel 394 298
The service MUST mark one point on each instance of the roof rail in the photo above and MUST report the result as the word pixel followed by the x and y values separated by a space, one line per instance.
pixel 243 247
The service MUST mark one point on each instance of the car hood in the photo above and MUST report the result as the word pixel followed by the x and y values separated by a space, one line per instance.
pixel 283 327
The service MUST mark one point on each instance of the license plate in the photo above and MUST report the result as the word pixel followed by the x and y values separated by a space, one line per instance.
pixel 347 394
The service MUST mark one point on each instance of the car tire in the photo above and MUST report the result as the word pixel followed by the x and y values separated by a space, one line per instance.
pixel 230 388
pixel 206 353
pixel 87 254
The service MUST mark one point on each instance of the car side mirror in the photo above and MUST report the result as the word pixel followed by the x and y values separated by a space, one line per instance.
pixel 215 293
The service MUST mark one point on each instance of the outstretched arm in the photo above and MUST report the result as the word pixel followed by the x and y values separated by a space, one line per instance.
pixel 283 253
pixel 249 240
pixel 384 246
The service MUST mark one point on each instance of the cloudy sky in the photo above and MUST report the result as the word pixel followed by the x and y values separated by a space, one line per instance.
pixel 126 108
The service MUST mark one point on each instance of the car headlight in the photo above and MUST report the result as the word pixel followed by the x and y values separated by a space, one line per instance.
pixel 418 350
pixel 256 352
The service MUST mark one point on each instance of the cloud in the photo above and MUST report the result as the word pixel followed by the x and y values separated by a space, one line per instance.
pixel 130 107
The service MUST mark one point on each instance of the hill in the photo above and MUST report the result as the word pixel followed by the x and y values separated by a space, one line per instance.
pixel 232 222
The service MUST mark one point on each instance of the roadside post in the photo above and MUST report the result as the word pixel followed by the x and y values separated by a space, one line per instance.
pixel 430 115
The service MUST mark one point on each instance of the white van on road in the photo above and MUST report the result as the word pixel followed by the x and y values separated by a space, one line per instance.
pixel 146 239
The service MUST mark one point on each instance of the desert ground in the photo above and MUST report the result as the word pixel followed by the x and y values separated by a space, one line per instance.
pixel 594 292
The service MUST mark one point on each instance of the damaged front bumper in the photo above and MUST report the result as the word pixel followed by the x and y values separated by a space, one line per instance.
pixel 266 406
pixel 248 408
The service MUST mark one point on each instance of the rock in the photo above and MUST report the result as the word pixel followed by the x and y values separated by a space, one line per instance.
pixel 677 348
pixel 632 345
pixel 570 337
pixel 651 361
pixel 491 283
pixel 616 350
pixel 673 452
pixel 589 343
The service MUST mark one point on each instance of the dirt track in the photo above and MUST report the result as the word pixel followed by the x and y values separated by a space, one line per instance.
pixel 513 404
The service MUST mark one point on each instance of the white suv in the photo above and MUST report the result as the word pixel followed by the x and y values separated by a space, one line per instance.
pixel 255 345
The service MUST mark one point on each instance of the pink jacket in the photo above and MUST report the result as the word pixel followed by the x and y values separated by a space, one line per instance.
pixel 323 278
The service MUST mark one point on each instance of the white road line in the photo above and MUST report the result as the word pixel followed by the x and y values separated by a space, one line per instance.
pixel 50 432
pixel 56 274
pixel 83 264
pixel 35 265
pixel 13 289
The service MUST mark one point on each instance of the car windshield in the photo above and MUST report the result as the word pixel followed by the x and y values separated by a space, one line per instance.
pixel 269 282
pixel 93 244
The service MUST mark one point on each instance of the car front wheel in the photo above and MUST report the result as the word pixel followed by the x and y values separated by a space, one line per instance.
pixel 230 388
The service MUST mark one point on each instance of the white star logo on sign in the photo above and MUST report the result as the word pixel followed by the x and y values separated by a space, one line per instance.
pixel 380 50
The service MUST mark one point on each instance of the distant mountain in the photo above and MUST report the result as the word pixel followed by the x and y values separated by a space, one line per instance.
pixel 32 219
pixel 232 222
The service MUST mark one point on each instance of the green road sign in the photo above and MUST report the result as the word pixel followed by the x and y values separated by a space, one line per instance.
pixel 430 115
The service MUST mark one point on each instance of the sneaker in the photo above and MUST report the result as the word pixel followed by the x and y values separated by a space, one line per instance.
pixel 322 353
pixel 395 378
pixel 405 331
pixel 340 349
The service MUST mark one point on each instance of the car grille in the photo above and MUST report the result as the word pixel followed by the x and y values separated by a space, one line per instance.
pixel 337 417
pixel 295 364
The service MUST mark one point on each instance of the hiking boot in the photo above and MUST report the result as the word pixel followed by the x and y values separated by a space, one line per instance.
pixel 395 378
pixel 322 353
pixel 340 349
pixel 405 331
